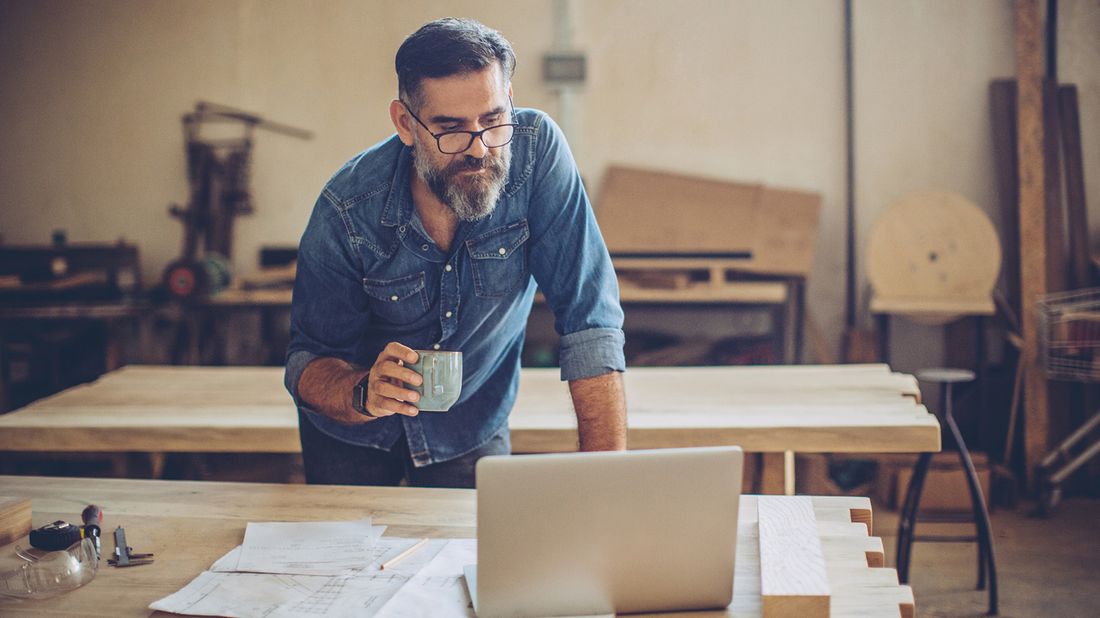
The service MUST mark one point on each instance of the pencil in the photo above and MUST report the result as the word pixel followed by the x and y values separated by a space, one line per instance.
pixel 405 554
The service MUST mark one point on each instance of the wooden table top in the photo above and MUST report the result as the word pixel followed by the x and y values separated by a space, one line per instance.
pixel 189 524
pixel 842 408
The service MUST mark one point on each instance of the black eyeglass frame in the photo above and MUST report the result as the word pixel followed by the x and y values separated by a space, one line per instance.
pixel 473 134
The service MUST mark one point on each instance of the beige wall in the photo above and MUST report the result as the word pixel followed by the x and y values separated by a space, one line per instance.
pixel 92 93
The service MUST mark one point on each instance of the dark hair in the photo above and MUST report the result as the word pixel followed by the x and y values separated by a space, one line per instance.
pixel 449 46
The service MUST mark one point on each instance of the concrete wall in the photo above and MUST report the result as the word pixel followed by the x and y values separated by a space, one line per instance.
pixel 91 95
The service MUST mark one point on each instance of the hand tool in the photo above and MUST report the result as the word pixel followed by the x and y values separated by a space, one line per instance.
pixel 92 516
pixel 60 534
pixel 124 554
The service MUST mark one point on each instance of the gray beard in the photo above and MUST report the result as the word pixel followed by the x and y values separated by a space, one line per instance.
pixel 470 198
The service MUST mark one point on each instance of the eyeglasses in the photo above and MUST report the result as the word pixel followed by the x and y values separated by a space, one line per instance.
pixel 455 142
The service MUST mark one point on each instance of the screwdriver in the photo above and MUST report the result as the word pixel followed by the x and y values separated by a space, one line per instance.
pixel 92 516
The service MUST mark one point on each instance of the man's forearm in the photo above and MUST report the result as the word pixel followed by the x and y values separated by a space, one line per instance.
pixel 600 403
pixel 326 386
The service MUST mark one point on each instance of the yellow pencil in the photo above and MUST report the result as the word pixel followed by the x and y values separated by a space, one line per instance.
pixel 405 554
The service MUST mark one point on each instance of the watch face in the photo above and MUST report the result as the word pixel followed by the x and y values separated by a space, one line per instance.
pixel 359 397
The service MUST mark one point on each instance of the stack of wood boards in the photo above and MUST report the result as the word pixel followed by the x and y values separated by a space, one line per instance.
pixel 829 408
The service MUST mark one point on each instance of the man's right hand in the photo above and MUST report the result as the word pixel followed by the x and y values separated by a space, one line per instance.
pixel 386 392
pixel 327 386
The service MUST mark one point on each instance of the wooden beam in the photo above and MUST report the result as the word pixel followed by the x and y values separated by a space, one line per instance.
pixel 1077 211
pixel 793 581
pixel 1033 232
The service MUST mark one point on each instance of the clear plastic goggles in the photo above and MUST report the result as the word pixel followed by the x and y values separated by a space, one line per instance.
pixel 29 573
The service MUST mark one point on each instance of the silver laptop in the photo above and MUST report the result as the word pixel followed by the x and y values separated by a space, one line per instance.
pixel 595 533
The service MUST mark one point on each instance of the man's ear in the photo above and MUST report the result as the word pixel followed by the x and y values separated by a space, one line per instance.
pixel 402 121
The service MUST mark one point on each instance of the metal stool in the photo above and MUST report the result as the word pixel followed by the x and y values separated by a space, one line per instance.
pixel 947 378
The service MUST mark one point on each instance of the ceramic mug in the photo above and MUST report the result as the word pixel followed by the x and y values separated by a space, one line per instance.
pixel 442 373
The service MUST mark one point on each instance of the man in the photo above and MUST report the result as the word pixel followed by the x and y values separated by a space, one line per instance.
pixel 435 239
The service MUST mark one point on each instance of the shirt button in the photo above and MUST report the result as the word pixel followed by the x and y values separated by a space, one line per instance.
pixel 447 268
pixel 394 298
pixel 502 251
pixel 435 347
pixel 423 247
pixel 448 314
pixel 401 229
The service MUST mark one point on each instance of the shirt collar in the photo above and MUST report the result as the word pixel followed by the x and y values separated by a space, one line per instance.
pixel 399 205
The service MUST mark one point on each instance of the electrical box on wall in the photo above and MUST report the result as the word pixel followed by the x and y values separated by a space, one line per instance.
pixel 564 68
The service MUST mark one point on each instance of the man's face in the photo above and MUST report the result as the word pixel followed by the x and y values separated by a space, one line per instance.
pixel 469 182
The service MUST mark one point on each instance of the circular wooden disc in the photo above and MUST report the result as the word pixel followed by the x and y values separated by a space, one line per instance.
pixel 933 245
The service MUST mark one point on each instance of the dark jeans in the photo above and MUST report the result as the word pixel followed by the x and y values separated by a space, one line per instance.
pixel 329 461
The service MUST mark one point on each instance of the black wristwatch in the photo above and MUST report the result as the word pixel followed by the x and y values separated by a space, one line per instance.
pixel 359 397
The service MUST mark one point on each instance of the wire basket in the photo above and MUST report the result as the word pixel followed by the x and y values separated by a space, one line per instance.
pixel 1069 335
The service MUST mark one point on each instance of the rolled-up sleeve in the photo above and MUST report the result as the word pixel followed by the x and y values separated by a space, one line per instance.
pixel 328 313
pixel 571 264
pixel 592 352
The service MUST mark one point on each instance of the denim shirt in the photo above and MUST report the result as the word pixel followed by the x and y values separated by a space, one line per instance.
pixel 369 273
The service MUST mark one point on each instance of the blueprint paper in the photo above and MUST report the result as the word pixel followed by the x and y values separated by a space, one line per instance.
pixel 437 590
pixel 428 581
pixel 382 550
pixel 306 548
pixel 261 595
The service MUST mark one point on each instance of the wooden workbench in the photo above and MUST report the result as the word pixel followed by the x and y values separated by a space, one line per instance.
pixel 845 408
pixel 188 525
pixel 776 409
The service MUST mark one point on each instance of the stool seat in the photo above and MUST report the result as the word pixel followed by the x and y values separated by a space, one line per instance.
pixel 943 375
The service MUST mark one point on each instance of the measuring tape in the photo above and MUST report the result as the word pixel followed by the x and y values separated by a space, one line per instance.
pixel 56 536
pixel 59 535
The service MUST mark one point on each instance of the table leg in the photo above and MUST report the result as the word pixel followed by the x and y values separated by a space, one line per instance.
pixel 773 474
pixel 156 465
pixel 790 320
pixel 788 473
pixel 5 372
pixel 883 322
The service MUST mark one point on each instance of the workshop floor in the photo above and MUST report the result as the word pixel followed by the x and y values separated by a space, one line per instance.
pixel 1044 567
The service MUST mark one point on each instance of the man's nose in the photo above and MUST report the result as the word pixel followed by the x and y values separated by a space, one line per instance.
pixel 477 149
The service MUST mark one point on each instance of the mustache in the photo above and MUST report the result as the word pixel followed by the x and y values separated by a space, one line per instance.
pixel 472 164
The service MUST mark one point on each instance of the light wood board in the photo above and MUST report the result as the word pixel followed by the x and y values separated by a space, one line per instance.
pixel 843 408
pixel 15 518
pixel 188 525
pixel 793 578
pixel 645 211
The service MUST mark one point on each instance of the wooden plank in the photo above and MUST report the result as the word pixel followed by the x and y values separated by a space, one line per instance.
pixel 1002 95
pixel 860 408
pixel 778 226
pixel 15 519
pixel 741 292
pixel 1076 209
pixel 1033 221
pixel 793 578
pixel 1057 247
pixel 933 307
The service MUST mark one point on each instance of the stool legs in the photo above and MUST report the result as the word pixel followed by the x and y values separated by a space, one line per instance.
pixel 981 516
pixel 987 570
pixel 908 520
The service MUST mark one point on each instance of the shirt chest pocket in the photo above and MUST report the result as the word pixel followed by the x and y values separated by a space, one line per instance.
pixel 499 260
pixel 398 301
